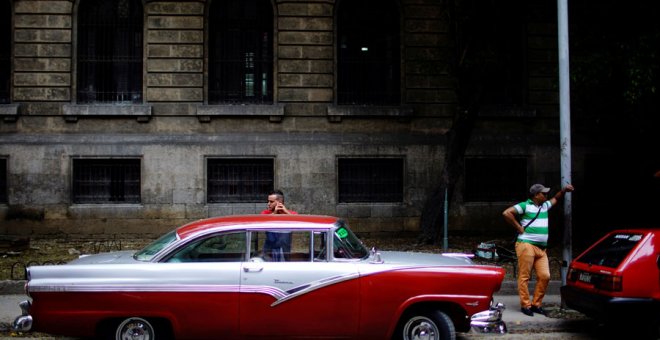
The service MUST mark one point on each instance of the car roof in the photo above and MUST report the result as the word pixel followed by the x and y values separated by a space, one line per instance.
pixel 253 221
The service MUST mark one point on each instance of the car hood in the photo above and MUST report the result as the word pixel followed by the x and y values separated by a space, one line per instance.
pixel 412 258
pixel 117 257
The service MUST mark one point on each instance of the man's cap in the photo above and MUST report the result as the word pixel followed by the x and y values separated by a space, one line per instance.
pixel 536 188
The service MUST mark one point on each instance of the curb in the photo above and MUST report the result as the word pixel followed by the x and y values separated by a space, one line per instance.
pixel 12 287
pixel 509 287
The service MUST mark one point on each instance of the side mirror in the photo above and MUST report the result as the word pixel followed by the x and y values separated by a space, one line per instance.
pixel 375 256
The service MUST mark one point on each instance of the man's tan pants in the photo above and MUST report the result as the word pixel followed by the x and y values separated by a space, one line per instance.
pixel 531 256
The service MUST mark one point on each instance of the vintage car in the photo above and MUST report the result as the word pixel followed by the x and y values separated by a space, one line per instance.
pixel 617 279
pixel 263 276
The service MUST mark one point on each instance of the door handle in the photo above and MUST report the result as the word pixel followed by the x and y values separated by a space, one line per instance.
pixel 253 269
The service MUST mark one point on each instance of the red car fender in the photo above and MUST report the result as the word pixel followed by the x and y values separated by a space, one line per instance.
pixel 467 304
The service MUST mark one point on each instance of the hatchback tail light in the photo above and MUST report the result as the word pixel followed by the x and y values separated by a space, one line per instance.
pixel 572 274
pixel 612 283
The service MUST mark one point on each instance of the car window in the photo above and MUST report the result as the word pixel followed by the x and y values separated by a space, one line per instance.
pixel 226 247
pixel 611 251
pixel 320 249
pixel 148 252
pixel 346 245
pixel 286 246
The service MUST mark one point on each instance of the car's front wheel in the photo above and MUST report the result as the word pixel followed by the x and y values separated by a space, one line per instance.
pixel 433 325
pixel 135 329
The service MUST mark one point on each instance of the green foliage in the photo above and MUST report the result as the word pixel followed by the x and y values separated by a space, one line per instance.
pixel 615 72
pixel 642 68
pixel 614 51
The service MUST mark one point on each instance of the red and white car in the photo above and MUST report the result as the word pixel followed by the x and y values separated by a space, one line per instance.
pixel 263 276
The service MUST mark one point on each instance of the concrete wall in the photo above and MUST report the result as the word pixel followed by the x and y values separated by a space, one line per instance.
pixel 174 178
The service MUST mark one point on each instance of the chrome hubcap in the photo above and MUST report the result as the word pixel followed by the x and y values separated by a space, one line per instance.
pixel 135 329
pixel 420 328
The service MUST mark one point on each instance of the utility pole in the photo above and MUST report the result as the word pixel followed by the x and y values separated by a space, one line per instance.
pixel 565 132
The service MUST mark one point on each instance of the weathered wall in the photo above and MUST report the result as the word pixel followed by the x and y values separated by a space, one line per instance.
pixel 304 131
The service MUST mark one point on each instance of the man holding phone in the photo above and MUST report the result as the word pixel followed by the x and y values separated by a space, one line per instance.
pixel 278 244
pixel 276 204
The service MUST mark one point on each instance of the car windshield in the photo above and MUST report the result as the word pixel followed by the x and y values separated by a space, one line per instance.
pixel 148 252
pixel 611 251
pixel 347 245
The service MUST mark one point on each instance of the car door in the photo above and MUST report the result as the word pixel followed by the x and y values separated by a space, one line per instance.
pixel 299 294
pixel 208 272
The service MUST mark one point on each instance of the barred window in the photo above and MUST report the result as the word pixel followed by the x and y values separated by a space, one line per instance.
pixel 369 53
pixel 238 180
pixel 240 51
pixel 5 50
pixel 3 180
pixel 109 51
pixel 106 180
pixel 370 180
pixel 495 179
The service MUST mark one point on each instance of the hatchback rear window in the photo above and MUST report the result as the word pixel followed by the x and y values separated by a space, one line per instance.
pixel 611 251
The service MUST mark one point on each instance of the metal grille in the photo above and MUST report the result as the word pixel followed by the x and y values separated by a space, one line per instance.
pixel 239 180
pixel 369 57
pixel 495 179
pixel 370 180
pixel 3 180
pixel 240 57
pixel 106 181
pixel 110 51
pixel 5 50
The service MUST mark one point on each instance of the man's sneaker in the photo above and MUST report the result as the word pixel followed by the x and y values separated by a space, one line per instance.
pixel 527 311
pixel 538 310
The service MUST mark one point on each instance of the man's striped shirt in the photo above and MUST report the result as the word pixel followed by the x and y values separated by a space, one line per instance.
pixel 537 232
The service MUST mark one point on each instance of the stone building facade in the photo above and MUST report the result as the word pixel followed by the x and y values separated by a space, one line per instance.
pixel 174 150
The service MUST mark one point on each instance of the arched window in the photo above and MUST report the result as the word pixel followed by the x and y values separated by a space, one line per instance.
pixel 109 68
pixel 369 53
pixel 240 51
pixel 5 50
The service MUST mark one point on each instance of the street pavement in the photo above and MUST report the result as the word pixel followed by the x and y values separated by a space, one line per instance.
pixel 520 326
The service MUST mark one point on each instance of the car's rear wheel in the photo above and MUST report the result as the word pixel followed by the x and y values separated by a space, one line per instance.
pixel 135 329
pixel 433 325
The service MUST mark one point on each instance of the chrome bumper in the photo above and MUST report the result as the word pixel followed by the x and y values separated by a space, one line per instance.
pixel 23 323
pixel 489 321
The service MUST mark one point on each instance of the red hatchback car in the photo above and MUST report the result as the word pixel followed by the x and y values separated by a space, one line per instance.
pixel 618 278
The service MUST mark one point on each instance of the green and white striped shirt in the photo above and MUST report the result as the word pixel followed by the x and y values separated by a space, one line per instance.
pixel 537 232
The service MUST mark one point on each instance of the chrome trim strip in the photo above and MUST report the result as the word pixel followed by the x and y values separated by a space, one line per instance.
pixel 91 288
pixel 279 295
pixel 268 290
pixel 312 286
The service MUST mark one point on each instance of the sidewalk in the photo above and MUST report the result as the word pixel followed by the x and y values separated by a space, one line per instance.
pixel 9 309
pixel 12 287
pixel 510 287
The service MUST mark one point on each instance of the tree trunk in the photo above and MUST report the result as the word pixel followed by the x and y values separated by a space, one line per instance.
pixel 471 75
pixel 458 138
